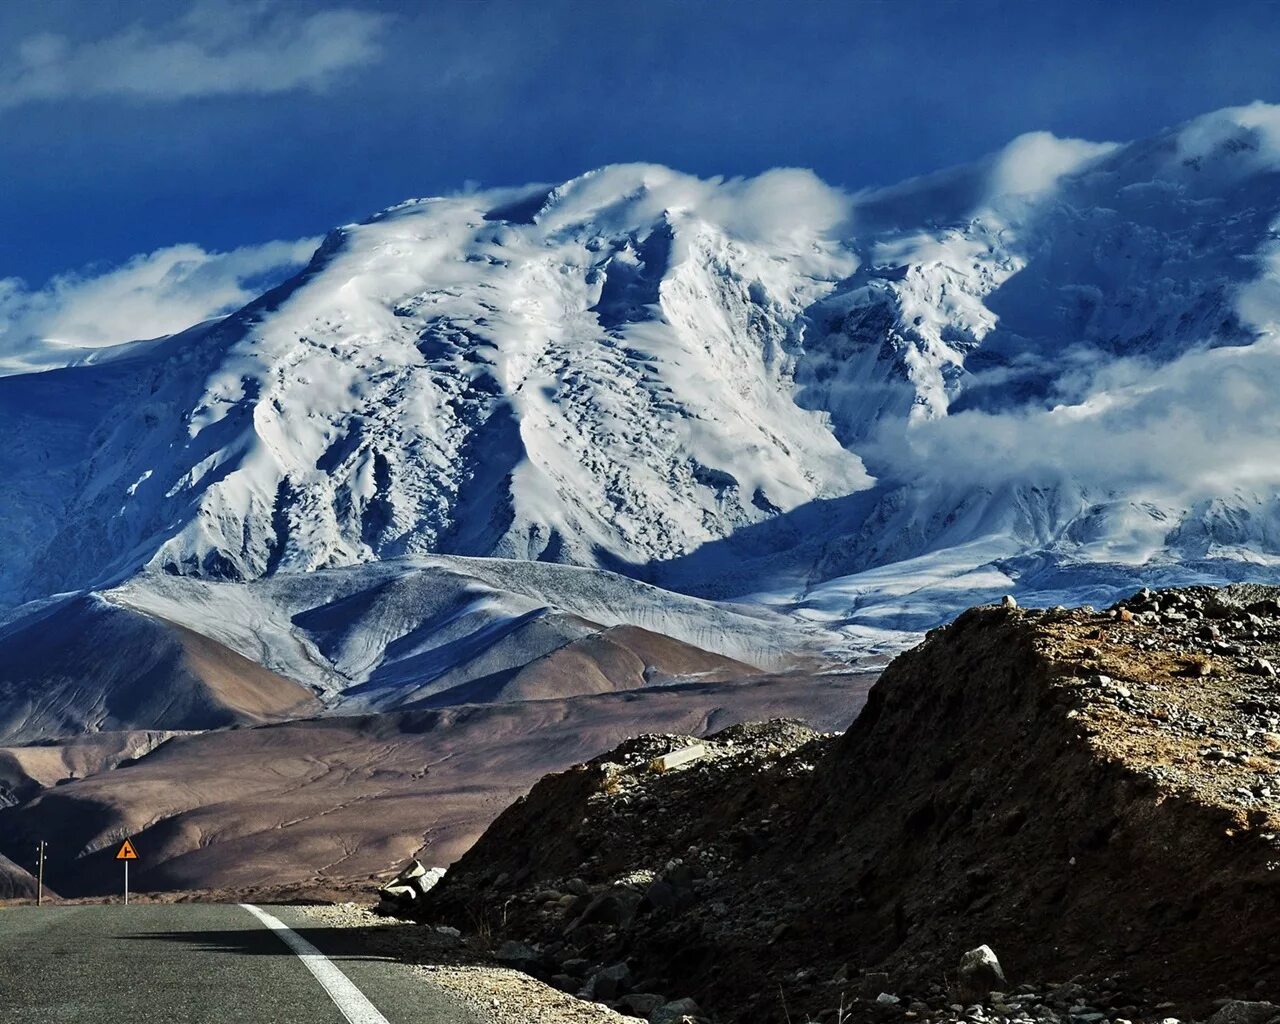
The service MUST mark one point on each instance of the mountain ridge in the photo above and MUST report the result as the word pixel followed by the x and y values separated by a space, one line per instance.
pixel 1021 362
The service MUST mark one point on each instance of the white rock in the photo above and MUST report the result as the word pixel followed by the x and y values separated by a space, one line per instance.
pixel 677 758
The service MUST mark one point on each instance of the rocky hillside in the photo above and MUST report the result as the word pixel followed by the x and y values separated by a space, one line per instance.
pixel 1094 795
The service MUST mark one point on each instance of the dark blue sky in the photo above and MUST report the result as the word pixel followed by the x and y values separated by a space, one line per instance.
pixel 115 139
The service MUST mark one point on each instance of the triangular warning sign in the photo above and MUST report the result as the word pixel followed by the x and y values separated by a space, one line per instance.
pixel 127 852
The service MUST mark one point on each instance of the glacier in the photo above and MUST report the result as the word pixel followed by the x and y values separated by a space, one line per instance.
pixel 1050 373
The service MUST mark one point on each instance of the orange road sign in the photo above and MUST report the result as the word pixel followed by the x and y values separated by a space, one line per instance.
pixel 127 852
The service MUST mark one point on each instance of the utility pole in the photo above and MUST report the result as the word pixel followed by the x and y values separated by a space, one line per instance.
pixel 40 874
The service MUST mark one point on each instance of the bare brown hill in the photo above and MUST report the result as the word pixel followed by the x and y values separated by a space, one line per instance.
pixel 84 665
pixel 332 802
pixel 1092 794
pixel 26 770
pixel 15 882
pixel 605 661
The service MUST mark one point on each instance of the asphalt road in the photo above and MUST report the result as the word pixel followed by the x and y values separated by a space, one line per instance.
pixel 199 964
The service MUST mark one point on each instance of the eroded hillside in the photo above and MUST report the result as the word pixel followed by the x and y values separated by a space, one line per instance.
pixel 1093 794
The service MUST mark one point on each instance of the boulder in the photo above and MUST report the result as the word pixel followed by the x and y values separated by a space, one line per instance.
pixel 641 1004
pixel 979 975
pixel 660 895
pixel 427 879
pixel 609 982
pixel 517 955
pixel 397 896
pixel 678 758
pixel 675 1011
pixel 410 871
pixel 1240 1011
pixel 414 880
pixel 616 907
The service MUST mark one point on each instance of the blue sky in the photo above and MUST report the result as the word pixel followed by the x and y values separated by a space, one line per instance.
pixel 126 127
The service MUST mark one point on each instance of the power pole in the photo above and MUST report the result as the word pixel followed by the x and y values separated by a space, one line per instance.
pixel 40 875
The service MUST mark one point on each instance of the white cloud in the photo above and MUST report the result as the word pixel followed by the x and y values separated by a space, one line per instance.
pixel 1251 132
pixel 1203 425
pixel 148 296
pixel 786 204
pixel 218 48
pixel 1035 161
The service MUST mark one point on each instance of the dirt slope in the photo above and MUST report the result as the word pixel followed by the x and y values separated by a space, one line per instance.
pixel 26 770
pixel 1064 786
pixel 607 661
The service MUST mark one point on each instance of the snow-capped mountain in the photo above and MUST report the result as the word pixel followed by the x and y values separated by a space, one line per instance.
pixel 1060 360
pixel 588 374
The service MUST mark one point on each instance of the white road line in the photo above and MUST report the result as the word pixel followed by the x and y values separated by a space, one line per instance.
pixel 346 997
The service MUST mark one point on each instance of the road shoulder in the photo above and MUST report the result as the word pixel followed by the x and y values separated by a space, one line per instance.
pixel 495 994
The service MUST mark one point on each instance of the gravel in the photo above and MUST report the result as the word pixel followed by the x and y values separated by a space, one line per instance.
pixel 502 994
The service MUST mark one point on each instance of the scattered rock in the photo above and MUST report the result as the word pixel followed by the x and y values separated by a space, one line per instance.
pixel 642 1004
pixel 516 954
pixel 874 982
pixel 678 758
pixel 412 882
pixel 979 974
pixel 1238 1011
pixel 1261 667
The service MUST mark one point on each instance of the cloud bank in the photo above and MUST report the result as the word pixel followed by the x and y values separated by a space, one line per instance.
pixel 148 296
pixel 218 48
pixel 1203 425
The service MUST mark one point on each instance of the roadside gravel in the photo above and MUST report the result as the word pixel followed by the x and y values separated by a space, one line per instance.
pixel 503 995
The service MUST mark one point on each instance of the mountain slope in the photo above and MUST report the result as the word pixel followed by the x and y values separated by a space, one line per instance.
pixel 1049 365
pixel 176 653
pixel 15 882
pixel 80 664
pixel 1063 357
pixel 606 385
pixel 1042 781
pixel 341 799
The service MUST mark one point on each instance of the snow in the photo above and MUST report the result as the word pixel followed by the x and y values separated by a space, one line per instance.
pixel 1049 372
pixel 380 634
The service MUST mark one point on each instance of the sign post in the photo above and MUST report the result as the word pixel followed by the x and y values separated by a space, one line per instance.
pixel 40 875
pixel 126 854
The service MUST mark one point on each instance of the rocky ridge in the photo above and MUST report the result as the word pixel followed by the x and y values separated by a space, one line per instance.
pixel 1092 794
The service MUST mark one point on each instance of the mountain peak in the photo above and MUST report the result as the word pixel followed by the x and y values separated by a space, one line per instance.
pixel 668 375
